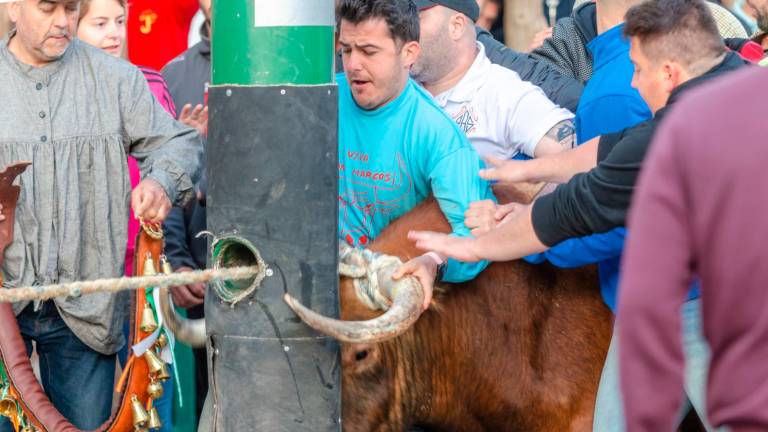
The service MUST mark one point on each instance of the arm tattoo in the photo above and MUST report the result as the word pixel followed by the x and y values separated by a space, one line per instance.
pixel 563 133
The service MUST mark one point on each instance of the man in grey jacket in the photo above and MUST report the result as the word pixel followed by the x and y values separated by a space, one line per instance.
pixel 75 112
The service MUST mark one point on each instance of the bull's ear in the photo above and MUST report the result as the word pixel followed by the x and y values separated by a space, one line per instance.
pixel 360 357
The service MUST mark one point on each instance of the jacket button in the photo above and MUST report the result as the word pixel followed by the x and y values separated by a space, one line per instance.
pixel 43 138
pixel 39 86
pixel 42 114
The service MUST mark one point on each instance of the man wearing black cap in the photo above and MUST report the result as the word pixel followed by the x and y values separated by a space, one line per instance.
pixel 502 115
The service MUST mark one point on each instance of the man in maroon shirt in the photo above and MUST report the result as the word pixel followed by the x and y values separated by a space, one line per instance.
pixel 700 211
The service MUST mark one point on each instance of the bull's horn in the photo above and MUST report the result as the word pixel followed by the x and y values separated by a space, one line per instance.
pixel 191 332
pixel 407 298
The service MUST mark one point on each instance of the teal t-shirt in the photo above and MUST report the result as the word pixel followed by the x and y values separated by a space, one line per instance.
pixel 393 157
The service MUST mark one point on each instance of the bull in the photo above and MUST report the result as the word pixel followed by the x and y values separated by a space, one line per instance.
pixel 519 348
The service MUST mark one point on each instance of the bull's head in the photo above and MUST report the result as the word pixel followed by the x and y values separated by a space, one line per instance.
pixel 369 282
pixel 380 389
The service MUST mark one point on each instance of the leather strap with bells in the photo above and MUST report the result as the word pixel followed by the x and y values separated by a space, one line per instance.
pixel 39 413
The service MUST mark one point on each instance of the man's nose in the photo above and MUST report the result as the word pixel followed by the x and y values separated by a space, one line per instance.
pixel 60 17
pixel 353 61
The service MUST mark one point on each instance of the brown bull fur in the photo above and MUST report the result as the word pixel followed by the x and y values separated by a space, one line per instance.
pixel 520 348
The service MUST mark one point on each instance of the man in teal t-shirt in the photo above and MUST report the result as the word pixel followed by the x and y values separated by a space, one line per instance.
pixel 396 146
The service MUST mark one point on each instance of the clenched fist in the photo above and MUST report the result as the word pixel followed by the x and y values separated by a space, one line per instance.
pixel 150 202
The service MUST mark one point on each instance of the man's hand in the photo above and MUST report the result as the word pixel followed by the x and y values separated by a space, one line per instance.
pixel 539 38
pixel 506 171
pixel 150 202
pixel 480 217
pixel 460 248
pixel 2 216
pixel 505 213
pixel 483 216
pixel 424 269
pixel 187 296
pixel 196 118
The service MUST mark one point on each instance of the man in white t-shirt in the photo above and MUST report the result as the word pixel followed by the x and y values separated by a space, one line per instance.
pixel 502 115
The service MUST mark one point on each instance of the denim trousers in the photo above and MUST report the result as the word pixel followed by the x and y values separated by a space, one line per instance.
pixel 78 380
pixel 609 411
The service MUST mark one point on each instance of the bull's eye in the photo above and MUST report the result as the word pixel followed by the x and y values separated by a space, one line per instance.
pixel 361 355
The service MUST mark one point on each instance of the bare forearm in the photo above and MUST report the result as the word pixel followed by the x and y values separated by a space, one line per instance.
pixel 560 167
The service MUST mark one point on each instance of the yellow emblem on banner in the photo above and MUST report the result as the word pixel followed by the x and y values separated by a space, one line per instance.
pixel 147 19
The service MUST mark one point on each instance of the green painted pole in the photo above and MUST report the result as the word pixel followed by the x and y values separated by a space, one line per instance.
pixel 273 42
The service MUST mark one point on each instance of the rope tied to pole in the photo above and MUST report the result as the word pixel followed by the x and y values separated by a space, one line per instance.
pixel 76 289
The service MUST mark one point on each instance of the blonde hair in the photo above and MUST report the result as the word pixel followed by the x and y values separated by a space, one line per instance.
pixel 85 5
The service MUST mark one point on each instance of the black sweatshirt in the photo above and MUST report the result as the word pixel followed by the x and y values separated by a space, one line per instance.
pixel 598 200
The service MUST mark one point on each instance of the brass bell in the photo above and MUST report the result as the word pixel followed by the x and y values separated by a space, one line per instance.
pixel 155 390
pixel 165 265
pixel 148 322
pixel 153 361
pixel 140 416
pixel 163 375
pixel 162 340
pixel 154 419
pixel 149 266
pixel 8 407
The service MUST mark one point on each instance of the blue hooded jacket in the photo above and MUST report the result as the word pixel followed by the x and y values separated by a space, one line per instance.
pixel 609 104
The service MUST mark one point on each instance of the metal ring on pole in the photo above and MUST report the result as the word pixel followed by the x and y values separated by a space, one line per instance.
pixel 233 251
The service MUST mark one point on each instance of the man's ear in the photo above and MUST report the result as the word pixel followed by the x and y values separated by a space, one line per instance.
pixel 458 25
pixel 673 75
pixel 13 10
pixel 410 53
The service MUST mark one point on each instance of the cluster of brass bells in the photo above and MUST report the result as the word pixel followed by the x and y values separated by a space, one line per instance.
pixel 144 419
pixel 157 368
pixel 148 323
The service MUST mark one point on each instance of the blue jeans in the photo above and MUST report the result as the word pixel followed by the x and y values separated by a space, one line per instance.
pixel 609 411
pixel 78 380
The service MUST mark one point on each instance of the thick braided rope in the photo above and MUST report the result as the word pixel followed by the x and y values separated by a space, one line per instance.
pixel 76 289
pixel 363 267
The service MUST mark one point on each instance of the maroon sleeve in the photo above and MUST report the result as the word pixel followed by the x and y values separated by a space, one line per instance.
pixel 655 282
pixel 159 88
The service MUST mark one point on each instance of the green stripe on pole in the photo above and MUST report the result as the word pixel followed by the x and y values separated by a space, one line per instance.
pixel 244 54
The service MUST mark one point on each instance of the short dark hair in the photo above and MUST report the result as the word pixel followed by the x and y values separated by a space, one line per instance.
pixel 401 16
pixel 679 30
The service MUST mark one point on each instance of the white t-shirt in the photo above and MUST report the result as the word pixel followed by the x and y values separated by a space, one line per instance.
pixel 501 114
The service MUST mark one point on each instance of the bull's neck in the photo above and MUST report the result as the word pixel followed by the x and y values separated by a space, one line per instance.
pixel 422 382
